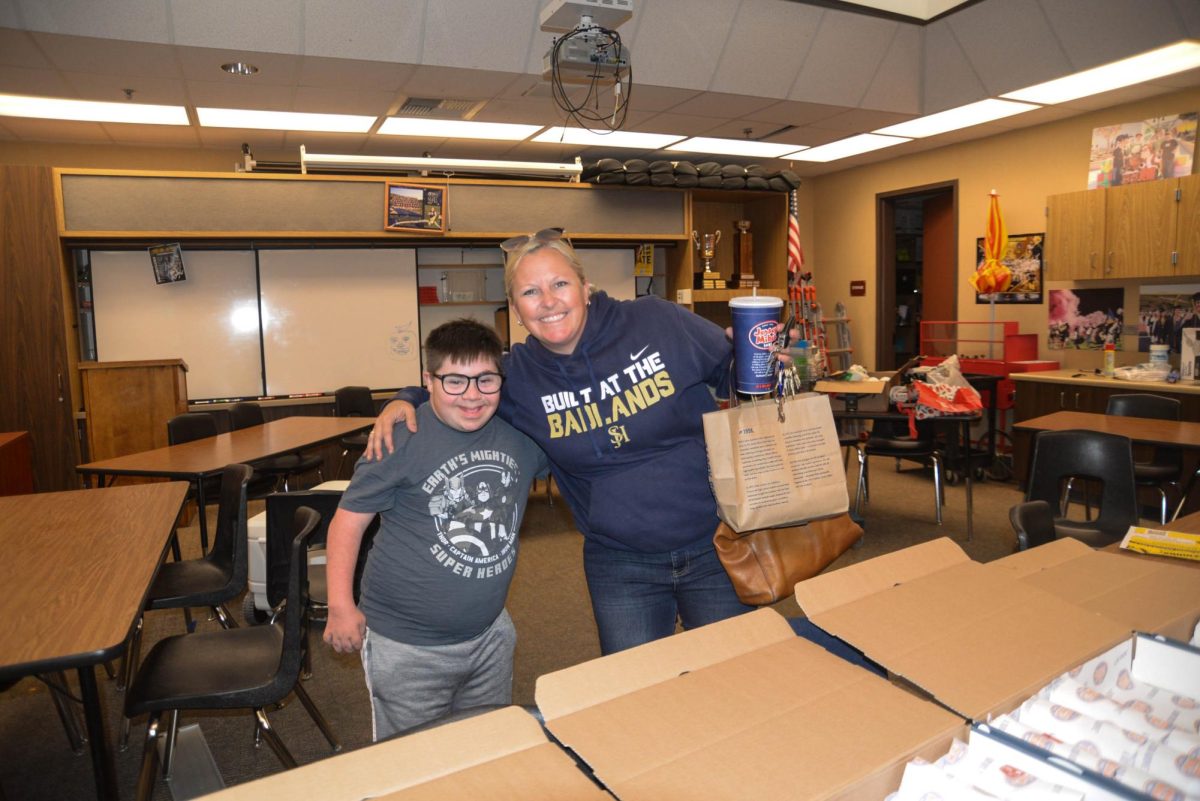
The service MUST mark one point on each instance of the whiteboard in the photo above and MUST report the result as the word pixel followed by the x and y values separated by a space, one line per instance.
pixel 334 318
pixel 610 270
pixel 210 320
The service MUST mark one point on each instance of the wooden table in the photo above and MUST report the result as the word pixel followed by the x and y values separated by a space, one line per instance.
pixel 1142 430
pixel 75 572
pixel 194 461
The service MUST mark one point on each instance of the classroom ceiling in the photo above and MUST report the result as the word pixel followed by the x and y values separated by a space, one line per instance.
pixel 804 72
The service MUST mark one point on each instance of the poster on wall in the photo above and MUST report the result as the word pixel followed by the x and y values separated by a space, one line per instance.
pixel 1132 152
pixel 1164 311
pixel 415 208
pixel 1023 257
pixel 1086 319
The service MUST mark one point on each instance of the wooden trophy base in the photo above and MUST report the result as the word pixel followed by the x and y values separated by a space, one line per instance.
pixel 709 280
pixel 745 281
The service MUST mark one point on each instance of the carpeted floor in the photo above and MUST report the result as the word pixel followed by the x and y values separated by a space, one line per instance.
pixel 548 603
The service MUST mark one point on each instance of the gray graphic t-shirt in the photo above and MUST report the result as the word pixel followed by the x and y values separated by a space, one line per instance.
pixel 450 504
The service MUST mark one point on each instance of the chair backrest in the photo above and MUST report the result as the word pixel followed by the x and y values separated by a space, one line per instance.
pixel 245 414
pixel 305 522
pixel 353 402
pixel 1033 522
pixel 190 426
pixel 1107 458
pixel 1155 407
pixel 229 545
pixel 281 512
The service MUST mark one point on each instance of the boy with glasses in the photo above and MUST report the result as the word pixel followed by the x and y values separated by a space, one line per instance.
pixel 431 624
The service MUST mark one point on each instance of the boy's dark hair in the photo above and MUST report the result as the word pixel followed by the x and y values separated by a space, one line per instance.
pixel 461 340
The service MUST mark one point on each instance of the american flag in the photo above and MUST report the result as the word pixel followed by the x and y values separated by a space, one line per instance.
pixel 795 254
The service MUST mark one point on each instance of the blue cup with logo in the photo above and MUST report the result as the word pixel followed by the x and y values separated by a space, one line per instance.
pixel 754 321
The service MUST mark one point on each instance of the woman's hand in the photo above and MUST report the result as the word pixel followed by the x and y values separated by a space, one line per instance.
pixel 381 433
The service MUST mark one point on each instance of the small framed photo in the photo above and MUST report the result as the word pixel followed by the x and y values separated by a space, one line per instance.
pixel 168 263
pixel 415 208
pixel 1024 257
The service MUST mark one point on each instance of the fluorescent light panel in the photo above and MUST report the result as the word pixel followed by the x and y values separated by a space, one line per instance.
pixel 283 120
pixel 52 108
pixel 1147 66
pixel 457 129
pixel 336 161
pixel 734 147
pixel 955 118
pixel 844 148
pixel 578 136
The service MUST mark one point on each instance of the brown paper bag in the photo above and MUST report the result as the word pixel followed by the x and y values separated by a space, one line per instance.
pixel 767 472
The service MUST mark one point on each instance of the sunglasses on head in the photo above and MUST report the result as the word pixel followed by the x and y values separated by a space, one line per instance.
pixel 544 236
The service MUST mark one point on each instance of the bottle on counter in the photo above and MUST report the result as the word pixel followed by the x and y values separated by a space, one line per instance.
pixel 1110 359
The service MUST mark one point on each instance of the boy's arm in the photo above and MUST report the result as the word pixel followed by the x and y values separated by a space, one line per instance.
pixel 346 625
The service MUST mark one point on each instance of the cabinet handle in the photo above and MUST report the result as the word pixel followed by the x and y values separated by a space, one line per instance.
pixel 60 392
pixel 1092 261
pixel 1076 400
pixel 1109 264
pixel 1062 399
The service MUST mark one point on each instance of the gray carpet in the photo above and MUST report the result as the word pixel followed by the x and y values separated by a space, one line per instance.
pixel 548 603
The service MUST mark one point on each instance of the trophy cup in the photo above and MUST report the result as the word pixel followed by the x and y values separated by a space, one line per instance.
pixel 743 257
pixel 706 244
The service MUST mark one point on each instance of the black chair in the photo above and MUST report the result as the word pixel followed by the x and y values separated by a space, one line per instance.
pixel 241 668
pixel 1165 467
pixel 1033 522
pixel 353 402
pixel 891 438
pixel 247 414
pixel 186 428
pixel 1063 456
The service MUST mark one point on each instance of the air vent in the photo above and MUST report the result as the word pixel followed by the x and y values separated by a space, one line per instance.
pixel 438 108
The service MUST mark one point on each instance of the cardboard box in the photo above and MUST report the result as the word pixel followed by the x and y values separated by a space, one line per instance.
pixel 981 638
pixel 739 709
pixel 500 756
pixel 1189 357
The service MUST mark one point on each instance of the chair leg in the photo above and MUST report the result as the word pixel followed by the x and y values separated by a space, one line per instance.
pixel 317 717
pixel 938 491
pixel 130 658
pixel 66 714
pixel 226 620
pixel 149 771
pixel 169 749
pixel 860 489
pixel 269 734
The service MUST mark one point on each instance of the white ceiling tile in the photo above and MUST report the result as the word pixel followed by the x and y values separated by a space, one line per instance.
pixel 335 73
pixel 320 142
pixel 950 79
pixel 896 85
pixel 658 98
pixel 861 119
pixel 233 139
pixel 720 104
pixel 37 82
pixel 204 64
pixel 269 26
pixel 518 109
pixel 228 94
pixel 154 135
pixel 1095 32
pixel 136 20
pixel 19 49
pixel 334 29
pixel 453 82
pixel 736 129
pixel 762 53
pixel 87 133
pixel 1189 12
pixel 352 99
pixel 484 36
pixel 109 56
pixel 794 112
pixel 827 74
pixel 1005 49
pixel 164 90
pixel 678 42
pixel 809 135
pixel 682 124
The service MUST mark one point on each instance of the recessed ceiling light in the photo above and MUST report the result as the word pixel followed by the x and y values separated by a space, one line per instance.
pixel 1126 72
pixel 844 148
pixel 955 118
pixel 239 68
pixel 283 120
pixel 579 136
pixel 734 147
pixel 457 129
pixel 52 108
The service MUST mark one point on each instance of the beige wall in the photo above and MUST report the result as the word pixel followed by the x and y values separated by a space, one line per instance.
pixel 1024 166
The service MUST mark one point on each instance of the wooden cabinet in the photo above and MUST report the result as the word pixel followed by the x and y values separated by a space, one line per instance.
pixel 128 404
pixel 1149 229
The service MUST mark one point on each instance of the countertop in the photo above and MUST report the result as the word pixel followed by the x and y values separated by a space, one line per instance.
pixel 1080 377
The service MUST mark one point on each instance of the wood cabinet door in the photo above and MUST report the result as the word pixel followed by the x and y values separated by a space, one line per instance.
pixel 1075 235
pixel 1140 224
pixel 1187 238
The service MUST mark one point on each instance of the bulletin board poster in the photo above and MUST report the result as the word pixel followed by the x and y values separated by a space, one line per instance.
pixel 1163 313
pixel 1132 152
pixel 1086 319
pixel 1023 257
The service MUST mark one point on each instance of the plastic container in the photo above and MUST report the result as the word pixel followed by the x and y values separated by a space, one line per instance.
pixel 1158 357
pixel 1110 359
pixel 800 362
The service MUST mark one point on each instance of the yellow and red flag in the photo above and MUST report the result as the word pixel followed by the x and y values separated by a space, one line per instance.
pixel 992 275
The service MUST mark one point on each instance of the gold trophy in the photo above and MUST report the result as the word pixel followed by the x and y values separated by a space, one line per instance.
pixel 743 257
pixel 706 244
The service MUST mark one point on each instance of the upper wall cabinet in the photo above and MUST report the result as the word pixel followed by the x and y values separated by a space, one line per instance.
pixel 1136 231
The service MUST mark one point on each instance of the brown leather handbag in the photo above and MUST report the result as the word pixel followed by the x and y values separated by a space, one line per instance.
pixel 766 564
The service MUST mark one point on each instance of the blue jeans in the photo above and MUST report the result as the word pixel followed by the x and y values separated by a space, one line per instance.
pixel 637 597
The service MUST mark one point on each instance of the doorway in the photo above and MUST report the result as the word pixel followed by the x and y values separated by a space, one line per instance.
pixel 917 267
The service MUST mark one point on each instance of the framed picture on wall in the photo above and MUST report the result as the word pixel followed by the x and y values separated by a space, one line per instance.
pixel 415 208
pixel 167 261
pixel 1023 257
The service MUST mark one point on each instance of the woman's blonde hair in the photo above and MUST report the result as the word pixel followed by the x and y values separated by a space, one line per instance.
pixel 560 246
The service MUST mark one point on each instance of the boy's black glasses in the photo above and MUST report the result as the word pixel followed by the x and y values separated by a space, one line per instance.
pixel 457 384
pixel 544 236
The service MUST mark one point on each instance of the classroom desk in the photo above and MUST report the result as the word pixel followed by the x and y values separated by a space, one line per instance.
pixel 1142 430
pixel 194 461
pixel 94 552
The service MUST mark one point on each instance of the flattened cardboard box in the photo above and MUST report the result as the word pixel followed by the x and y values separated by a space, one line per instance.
pixel 501 756
pixel 981 638
pixel 739 709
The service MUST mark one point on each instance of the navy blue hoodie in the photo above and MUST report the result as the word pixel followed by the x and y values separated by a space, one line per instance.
pixel 620 420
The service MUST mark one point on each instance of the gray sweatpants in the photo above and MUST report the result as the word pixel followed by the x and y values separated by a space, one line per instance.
pixel 414 684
